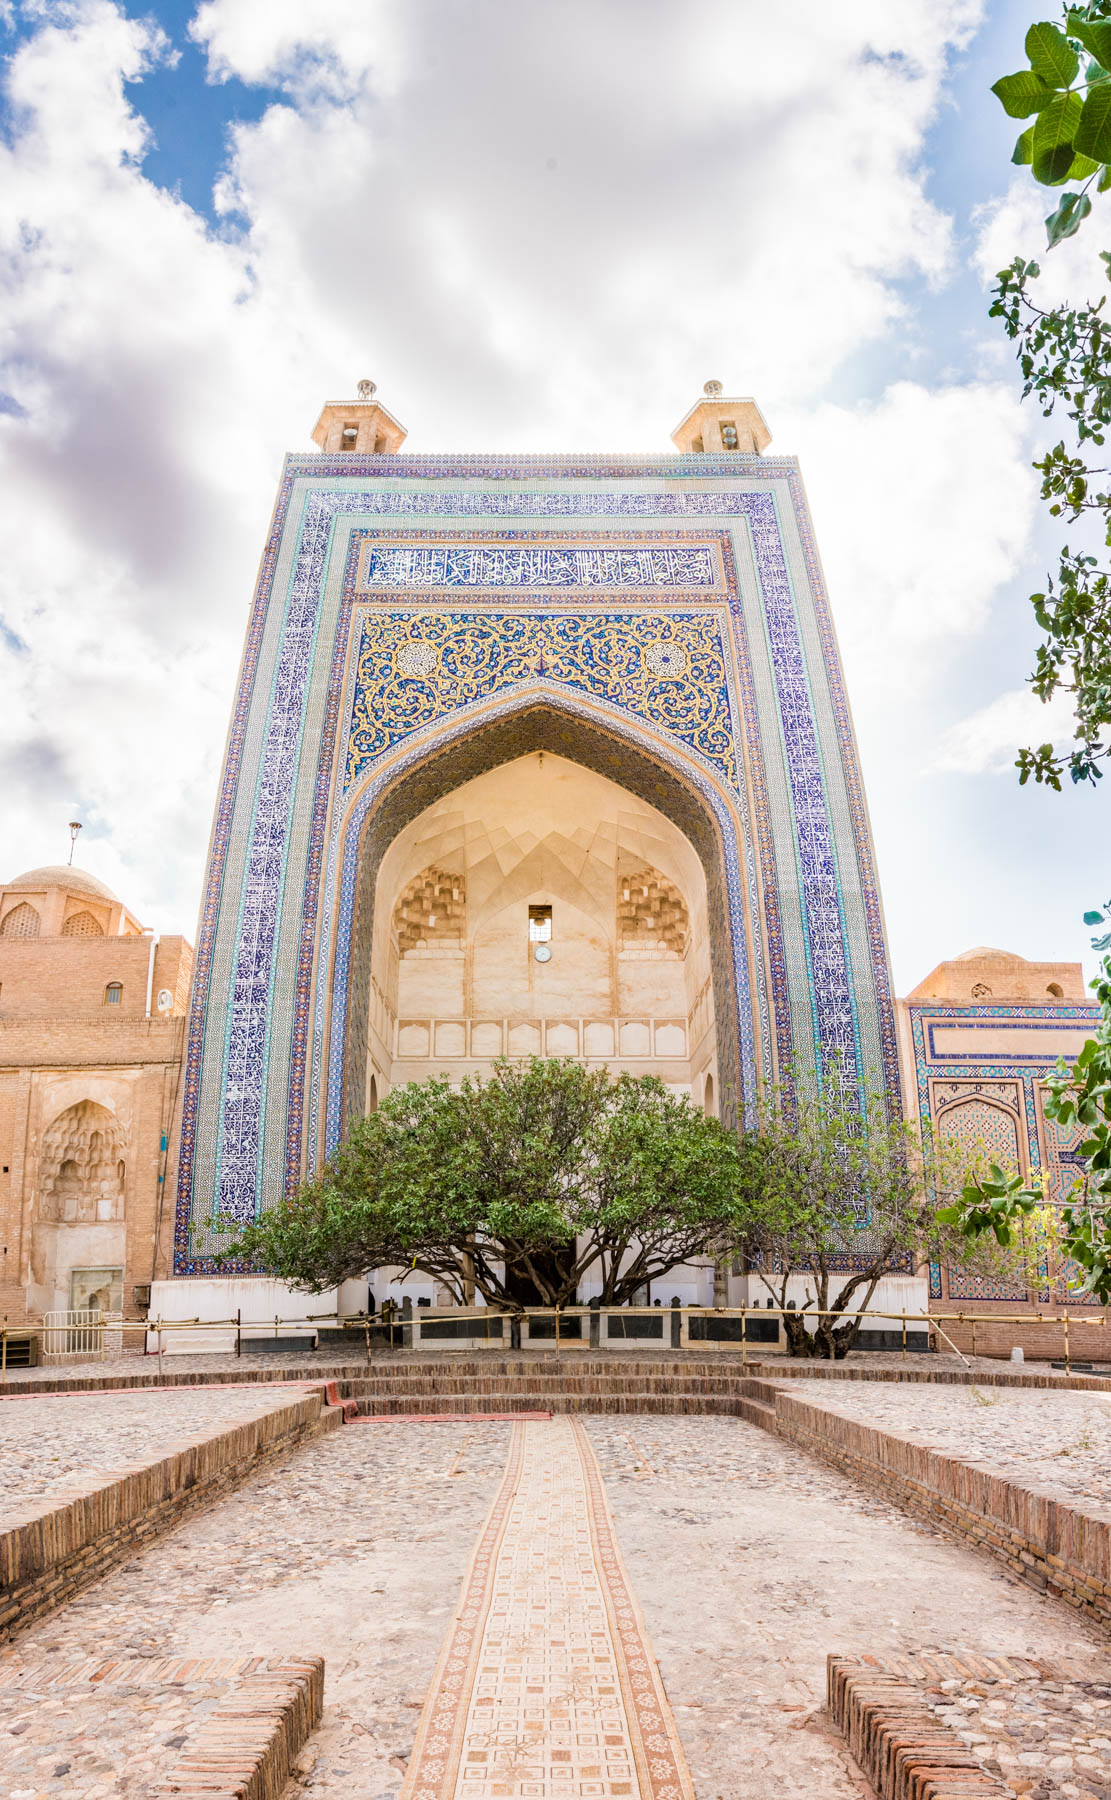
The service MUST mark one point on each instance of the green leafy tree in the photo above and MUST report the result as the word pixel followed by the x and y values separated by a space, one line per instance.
pixel 1064 354
pixel 1076 1096
pixel 546 1170
pixel 838 1194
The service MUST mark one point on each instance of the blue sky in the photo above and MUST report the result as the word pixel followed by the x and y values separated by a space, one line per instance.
pixel 536 227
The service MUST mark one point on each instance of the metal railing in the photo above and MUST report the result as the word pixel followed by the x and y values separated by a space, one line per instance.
pixel 85 1334
pixel 90 1335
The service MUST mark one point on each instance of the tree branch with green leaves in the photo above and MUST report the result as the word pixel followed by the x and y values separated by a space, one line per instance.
pixel 547 1170
pixel 1064 355
pixel 1077 1097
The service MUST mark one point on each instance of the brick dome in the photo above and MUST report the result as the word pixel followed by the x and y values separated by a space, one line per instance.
pixel 76 881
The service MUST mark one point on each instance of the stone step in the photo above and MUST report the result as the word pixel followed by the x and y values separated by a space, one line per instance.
pixel 379 1406
pixel 382 1368
pixel 423 1386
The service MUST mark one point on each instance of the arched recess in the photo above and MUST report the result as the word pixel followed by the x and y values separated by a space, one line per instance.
pixel 983 1126
pixel 977 1121
pixel 596 744
pixel 82 1165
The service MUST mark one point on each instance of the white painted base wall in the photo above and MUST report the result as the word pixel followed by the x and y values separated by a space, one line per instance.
pixel 215 1303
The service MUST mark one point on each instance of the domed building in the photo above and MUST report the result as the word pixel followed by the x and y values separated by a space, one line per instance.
pixel 92 1015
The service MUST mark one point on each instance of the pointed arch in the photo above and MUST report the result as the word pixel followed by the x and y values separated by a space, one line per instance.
pixel 616 749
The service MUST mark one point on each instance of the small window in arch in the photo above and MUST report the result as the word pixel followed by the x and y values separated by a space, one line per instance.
pixel 728 435
pixel 539 924
pixel 113 993
pixel 1055 991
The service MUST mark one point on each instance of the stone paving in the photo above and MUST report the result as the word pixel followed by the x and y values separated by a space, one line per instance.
pixel 100 1727
pixel 750 1562
pixel 49 1443
pixel 1047 1739
pixel 1060 1440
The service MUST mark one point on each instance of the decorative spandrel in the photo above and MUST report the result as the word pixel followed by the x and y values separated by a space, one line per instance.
pixel 415 669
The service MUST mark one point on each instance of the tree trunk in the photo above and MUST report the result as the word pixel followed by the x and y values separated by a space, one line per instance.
pixel 798 1338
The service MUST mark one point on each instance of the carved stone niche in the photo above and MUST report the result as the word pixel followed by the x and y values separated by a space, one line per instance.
pixel 82 1166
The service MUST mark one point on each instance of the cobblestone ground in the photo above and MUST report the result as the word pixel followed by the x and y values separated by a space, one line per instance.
pixel 99 1728
pixel 53 1442
pixel 1049 1740
pixel 1056 1440
pixel 750 1561
pixel 353 1547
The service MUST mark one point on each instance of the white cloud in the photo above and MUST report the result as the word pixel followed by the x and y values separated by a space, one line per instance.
pixel 536 226
pixel 923 502
pixel 1013 224
pixel 580 220
pixel 986 743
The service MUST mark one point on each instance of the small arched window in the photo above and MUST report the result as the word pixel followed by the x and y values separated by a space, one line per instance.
pixel 1055 991
pixel 113 993
pixel 22 922
pixel 82 924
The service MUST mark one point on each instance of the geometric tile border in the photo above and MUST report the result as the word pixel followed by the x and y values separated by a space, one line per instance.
pixel 546 1686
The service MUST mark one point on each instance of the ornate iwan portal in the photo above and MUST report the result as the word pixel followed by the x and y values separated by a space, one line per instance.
pixel 487 699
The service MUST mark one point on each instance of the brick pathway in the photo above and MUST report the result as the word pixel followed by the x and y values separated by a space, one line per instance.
pixel 546 1686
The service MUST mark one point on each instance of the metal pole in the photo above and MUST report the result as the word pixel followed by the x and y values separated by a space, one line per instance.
pixel 4 1352
pixel 557 1330
pixel 744 1339
pixel 239 1331
pixel 974 1334
pixel 904 1334
pixel 1068 1366
pixel 951 1344
pixel 159 1349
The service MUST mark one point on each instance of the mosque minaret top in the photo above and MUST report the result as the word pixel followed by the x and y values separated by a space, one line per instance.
pixel 362 425
pixel 720 423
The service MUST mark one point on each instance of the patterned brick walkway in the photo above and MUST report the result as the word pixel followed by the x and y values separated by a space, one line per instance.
pixel 546 1687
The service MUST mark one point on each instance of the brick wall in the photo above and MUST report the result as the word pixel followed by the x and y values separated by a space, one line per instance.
pixel 58 977
pixel 1051 1546
pixel 57 1548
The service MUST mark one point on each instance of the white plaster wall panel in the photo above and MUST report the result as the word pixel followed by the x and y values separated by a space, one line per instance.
pixel 451 1038
pixel 413 1038
pixel 598 1038
pixel 635 1038
pixel 487 1037
pixel 671 1038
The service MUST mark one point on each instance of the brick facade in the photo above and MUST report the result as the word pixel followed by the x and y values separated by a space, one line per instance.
pixel 91 1035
